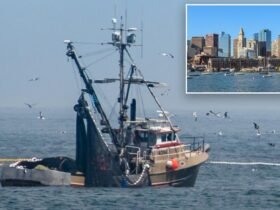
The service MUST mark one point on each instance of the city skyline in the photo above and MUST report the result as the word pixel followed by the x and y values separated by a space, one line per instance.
pixel 246 17
pixel 226 43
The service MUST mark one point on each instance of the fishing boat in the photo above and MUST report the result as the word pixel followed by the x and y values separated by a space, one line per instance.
pixel 138 151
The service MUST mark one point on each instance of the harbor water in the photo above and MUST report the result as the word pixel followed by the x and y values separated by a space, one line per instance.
pixel 241 173
pixel 224 82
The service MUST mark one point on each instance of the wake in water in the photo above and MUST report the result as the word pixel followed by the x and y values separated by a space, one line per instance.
pixel 244 163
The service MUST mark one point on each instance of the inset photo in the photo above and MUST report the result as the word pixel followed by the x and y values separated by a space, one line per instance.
pixel 232 48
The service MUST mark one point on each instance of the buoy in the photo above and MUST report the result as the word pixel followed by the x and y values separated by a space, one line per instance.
pixel 175 163
pixel 172 164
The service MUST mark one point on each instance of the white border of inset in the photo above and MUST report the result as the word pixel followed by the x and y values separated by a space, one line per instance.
pixel 186 51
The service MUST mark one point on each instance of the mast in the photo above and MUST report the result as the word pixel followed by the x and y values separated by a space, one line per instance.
pixel 122 117
pixel 121 40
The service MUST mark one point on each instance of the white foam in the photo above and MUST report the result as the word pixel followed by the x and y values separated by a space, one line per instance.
pixel 244 163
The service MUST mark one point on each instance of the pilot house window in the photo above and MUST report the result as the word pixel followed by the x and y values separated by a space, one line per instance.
pixel 168 137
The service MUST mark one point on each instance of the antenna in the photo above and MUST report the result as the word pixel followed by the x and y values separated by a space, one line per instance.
pixel 125 22
pixel 114 19
pixel 141 25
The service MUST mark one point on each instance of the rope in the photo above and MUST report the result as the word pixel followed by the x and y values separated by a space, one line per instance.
pixel 141 177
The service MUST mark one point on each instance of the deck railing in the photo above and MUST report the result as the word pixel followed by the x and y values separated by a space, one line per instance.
pixel 197 142
pixel 196 145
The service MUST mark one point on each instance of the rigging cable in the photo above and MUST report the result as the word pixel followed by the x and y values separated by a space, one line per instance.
pixel 76 78
pixel 113 111
pixel 87 43
pixel 101 92
pixel 102 58
pixel 95 52
pixel 103 96
pixel 141 100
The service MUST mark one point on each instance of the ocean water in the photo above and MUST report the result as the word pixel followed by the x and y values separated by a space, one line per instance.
pixel 248 82
pixel 241 173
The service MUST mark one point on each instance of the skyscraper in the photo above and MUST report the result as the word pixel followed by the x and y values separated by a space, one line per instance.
pixel 212 40
pixel 198 42
pixel 211 44
pixel 256 36
pixel 224 45
pixel 261 49
pixel 241 42
pixel 241 39
pixel 265 36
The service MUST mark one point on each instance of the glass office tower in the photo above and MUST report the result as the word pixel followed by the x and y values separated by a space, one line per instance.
pixel 224 45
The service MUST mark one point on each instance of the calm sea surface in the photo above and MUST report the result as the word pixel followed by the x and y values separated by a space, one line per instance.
pixel 231 179
pixel 218 82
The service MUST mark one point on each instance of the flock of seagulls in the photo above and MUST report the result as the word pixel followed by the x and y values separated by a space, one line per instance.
pixel 258 133
pixel 218 114
pixel 31 106
pixel 226 116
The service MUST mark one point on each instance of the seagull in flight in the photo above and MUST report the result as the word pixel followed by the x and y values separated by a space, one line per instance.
pixel 194 114
pixel 220 133
pixel 30 106
pixel 33 79
pixel 63 132
pixel 41 117
pixel 271 144
pixel 217 114
pixel 164 113
pixel 257 128
pixel 167 54
pixel 226 115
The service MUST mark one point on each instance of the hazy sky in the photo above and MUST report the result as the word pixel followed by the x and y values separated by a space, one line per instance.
pixel 32 34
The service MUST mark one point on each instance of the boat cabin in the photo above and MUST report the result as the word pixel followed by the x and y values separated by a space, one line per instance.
pixel 156 137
